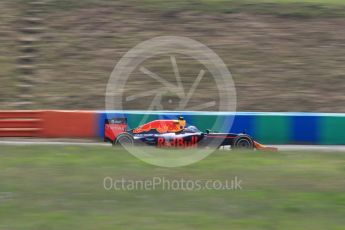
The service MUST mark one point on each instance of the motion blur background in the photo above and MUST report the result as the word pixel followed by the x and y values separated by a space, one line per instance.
pixel 284 55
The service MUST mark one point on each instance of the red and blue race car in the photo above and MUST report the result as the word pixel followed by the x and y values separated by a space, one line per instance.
pixel 175 133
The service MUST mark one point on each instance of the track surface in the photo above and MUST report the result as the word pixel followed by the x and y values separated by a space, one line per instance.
pixel 83 142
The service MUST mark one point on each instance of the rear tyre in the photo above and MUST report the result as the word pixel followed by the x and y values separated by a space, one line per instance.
pixel 243 142
pixel 124 139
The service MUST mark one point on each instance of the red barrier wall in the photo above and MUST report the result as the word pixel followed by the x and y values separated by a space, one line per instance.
pixel 20 123
pixel 69 124
pixel 58 124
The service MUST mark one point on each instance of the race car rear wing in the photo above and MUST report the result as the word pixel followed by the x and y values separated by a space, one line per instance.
pixel 121 120
pixel 114 126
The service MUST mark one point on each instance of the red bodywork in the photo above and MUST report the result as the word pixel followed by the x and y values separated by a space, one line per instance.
pixel 113 127
pixel 161 126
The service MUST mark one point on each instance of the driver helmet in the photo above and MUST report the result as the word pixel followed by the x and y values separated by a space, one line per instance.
pixel 182 122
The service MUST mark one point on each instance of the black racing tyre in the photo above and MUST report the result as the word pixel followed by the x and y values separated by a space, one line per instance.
pixel 124 139
pixel 243 142
pixel 107 140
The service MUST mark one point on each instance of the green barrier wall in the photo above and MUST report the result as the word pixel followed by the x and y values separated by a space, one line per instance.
pixel 333 130
pixel 268 128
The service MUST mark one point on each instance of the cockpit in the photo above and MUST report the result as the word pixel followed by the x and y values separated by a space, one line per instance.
pixel 191 129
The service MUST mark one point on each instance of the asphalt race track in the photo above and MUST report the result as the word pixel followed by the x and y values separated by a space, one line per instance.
pixel 83 142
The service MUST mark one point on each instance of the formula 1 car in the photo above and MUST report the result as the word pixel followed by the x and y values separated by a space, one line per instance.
pixel 174 133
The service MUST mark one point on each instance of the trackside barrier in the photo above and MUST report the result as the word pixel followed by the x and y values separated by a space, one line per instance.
pixel 69 124
pixel 268 128
pixel 53 123
pixel 20 123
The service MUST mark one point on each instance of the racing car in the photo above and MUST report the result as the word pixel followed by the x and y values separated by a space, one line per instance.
pixel 175 134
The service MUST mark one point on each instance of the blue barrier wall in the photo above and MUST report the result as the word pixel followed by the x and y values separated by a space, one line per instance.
pixel 268 128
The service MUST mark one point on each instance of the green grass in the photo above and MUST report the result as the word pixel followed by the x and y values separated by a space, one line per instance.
pixel 59 187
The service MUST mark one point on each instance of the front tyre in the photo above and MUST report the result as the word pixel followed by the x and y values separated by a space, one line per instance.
pixel 243 142
pixel 124 139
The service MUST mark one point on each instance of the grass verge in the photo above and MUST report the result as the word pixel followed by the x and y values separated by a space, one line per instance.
pixel 61 187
